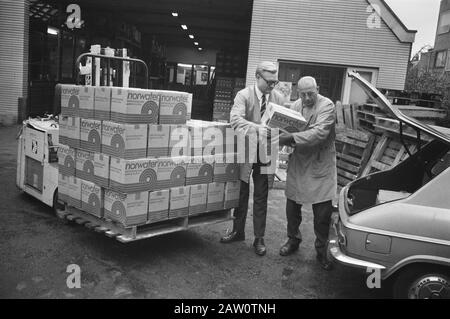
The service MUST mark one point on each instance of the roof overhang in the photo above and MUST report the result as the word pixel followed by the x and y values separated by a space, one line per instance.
pixel 393 22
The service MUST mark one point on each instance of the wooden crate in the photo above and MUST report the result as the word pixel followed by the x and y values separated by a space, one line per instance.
pixel 353 149
pixel 388 153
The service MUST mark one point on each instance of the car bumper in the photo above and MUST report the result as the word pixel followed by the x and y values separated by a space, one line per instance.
pixel 340 256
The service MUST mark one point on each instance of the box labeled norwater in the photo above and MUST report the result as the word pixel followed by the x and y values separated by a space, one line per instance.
pixel 226 168
pixel 69 190
pixel 216 193
pixel 86 95
pixel 129 105
pixel 175 107
pixel 277 116
pixel 66 160
pixel 198 198
pixel 179 202
pixel 179 141
pixel 84 164
pixel 171 171
pixel 101 169
pixel 158 140
pixel 158 206
pixel 127 209
pixel 128 141
pixel 232 190
pixel 102 103
pixel 91 198
pixel 200 170
pixel 70 100
pixel 69 131
pixel 133 175
pixel 90 135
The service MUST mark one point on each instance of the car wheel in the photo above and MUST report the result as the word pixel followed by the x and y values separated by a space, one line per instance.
pixel 416 283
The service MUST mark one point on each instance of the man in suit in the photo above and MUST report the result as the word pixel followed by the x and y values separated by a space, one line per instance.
pixel 245 117
pixel 311 174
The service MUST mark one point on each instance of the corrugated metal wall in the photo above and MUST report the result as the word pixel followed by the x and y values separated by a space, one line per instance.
pixel 326 31
pixel 14 23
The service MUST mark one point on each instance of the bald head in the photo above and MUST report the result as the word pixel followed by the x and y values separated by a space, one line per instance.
pixel 307 88
pixel 307 82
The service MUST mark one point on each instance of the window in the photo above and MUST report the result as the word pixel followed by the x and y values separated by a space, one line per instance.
pixel 444 22
pixel 447 65
pixel 441 58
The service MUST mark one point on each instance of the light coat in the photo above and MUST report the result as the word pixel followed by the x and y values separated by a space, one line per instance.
pixel 311 174
pixel 245 117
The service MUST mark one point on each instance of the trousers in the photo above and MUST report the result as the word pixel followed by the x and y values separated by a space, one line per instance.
pixel 260 194
pixel 322 218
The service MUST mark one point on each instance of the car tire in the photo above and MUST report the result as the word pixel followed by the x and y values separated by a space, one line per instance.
pixel 425 282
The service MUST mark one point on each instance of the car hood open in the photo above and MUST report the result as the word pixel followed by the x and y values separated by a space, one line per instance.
pixel 442 134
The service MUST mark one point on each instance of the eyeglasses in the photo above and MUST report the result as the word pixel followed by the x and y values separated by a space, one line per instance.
pixel 270 83
pixel 309 94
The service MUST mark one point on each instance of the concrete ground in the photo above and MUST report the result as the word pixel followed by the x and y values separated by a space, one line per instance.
pixel 36 248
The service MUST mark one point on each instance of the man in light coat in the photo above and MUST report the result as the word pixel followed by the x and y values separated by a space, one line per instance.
pixel 311 174
pixel 245 117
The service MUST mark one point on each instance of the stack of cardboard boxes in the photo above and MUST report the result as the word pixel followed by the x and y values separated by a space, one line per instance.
pixel 134 156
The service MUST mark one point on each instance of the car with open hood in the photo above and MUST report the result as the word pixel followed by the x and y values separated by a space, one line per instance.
pixel 405 236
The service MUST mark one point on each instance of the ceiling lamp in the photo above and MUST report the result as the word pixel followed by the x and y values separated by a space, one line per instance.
pixel 191 36
pixel 174 14
pixel 195 43
pixel 184 27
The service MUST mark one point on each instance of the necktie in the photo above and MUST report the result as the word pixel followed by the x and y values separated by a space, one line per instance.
pixel 263 104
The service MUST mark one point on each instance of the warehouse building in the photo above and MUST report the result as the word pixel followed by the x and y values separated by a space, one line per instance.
pixel 189 44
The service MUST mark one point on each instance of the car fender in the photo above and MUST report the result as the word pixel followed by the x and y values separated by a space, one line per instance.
pixel 418 259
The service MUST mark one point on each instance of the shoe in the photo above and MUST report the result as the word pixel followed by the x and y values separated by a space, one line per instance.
pixel 290 247
pixel 324 262
pixel 232 237
pixel 260 248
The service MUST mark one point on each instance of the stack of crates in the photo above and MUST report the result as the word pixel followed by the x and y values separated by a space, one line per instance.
pixel 226 90
pixel 133 156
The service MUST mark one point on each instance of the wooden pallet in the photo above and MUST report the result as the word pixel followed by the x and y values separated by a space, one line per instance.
pixel 129 234
pixel 352 154
pixel 384 124
pixel 388 153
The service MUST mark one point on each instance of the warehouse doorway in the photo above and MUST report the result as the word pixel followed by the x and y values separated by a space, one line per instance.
pixel 163 33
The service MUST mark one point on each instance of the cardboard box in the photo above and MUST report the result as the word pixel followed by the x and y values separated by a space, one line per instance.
pixel 77 100
pixel 128 141
pixel 101 169
pixel 179 141
pixel 158 140
pixel 200 170
pixel 127 209
pixel 69 190
pixel 133 175
pixel 179 202
pixel 102 103
pixel 198 198
pixel 216 193
pixel 84 164
pixel 66 160
pixel 389 196
pixel 92 198
pixel 195 129
pixel 175 107
pixel 281 117
pixel 69 131
pixel 219 138
pixel 232 190
pixel 129 105
pixel 87 94
pixel 226 168
pixel 171 172
pixel 158 206
pixel 90 135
